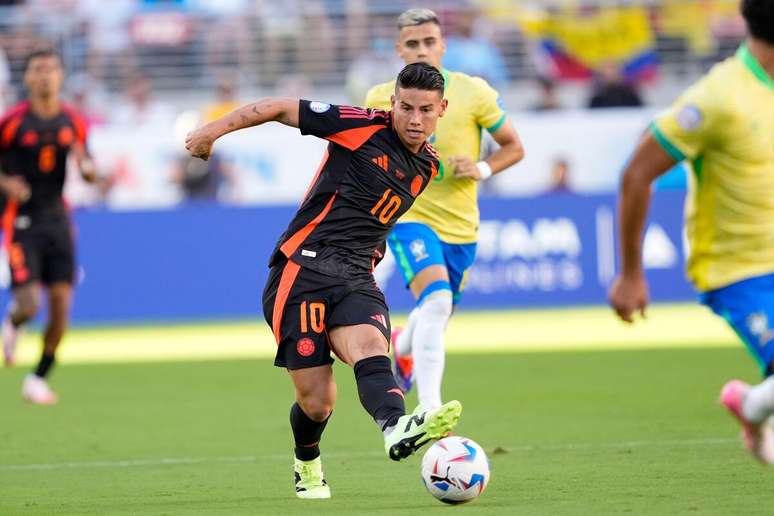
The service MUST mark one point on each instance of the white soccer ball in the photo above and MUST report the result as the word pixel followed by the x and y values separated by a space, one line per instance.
pixel 455 470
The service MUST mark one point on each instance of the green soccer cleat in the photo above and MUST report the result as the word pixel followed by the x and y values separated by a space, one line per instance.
pixel 414 430
pixel 310 482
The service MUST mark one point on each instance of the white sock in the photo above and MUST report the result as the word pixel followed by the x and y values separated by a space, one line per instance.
pixel 758 404
pixel 428 348
pixel 403 342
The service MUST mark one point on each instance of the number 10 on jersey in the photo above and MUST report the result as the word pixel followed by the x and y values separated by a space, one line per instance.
pixel 386 206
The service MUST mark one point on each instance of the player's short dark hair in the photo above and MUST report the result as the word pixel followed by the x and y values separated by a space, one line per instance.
pixel 759 15
pixel 420 76
pixel 41 52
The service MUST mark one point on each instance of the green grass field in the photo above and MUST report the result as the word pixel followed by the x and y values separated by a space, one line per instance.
pixel 590 429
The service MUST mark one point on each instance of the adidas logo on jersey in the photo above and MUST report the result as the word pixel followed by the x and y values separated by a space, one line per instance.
pixel 381 319
pixel 382 161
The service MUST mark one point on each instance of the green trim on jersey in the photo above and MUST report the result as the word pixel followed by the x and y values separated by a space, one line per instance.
pixel 446 79
pixel 744 55
pixel 497 124
pixel 666 144
pixel 698 166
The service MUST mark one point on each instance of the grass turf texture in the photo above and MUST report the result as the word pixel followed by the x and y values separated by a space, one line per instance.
pixel 587 416
pixel 590 432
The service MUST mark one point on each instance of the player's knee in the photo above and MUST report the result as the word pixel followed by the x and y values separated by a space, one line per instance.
pixel 317 408
pixel 27 310
pixel 372 346
pixel 437 305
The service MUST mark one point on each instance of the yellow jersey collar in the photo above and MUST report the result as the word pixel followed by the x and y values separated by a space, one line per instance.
pixel 752 64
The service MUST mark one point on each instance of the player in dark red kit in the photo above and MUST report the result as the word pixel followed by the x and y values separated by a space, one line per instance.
pixel 36 138
pixel 321 296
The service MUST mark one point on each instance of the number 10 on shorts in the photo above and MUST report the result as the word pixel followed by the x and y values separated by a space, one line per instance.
pixel 312 314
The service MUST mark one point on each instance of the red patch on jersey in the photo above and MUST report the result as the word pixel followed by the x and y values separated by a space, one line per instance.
pixel 305 347
pixel 65 136
pixel 433 171
pixel 416 186
pixel 29 139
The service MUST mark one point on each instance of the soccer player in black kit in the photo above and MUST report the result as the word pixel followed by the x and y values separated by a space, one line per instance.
pixel 321 296
pixel 36 137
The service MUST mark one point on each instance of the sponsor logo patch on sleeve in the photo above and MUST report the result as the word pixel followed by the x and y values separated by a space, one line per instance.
pixel 319 107
pixel 690 117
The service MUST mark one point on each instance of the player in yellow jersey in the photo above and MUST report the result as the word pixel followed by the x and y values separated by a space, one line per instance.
pixel 724 126
pixel 435 241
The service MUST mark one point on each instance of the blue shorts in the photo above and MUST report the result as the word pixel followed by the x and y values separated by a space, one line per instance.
pixel 417 247
pixel 748 306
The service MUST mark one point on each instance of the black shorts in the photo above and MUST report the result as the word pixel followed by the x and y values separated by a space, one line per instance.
pixel 302 305
pixel 43 252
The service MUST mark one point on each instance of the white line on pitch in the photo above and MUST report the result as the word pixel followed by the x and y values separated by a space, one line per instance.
pixel 178 461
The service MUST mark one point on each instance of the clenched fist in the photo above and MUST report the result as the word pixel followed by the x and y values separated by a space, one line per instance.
pixel 198 143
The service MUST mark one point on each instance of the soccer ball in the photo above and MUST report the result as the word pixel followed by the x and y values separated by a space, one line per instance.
pixel 455 470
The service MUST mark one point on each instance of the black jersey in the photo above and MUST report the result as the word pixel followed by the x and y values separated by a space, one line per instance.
pixel 367 180
pixel 36 149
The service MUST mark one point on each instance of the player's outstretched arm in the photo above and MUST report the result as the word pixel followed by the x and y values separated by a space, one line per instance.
pixel 511 151
pixel 629 291
pixel 85 163
pixel 283 110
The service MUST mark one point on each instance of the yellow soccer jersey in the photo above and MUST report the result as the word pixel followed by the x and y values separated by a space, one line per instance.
pixel 724 126
pixel 450 205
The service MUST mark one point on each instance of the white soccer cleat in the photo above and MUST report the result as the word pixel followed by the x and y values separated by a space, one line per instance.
pixel 10 336
pixel 36 390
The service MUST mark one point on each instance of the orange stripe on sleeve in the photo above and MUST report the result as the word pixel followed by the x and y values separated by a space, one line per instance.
pixel 9 216
pixel 80 124
pixel 293 243
pixel 288 278
pixel 9 131
pixel 352 139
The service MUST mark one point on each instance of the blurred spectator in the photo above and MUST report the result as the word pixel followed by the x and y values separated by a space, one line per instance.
pixel 357 26
pixel 108 36
pixel 611 90
pixel 202 180
pixel 318 51
pixel 549 99
pixel 226 33
pixel 471 53
pixel 17 43
pixel 139 109
pixel 377 65
pixel 211 179
pixel 560 180
pixel 6 94
pixel 293 85
pixel 225 101
pixel 281 25
pixel 89 98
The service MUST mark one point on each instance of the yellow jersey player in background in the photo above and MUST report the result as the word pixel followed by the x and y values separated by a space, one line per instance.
pixel 724 126
pixel 434 243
